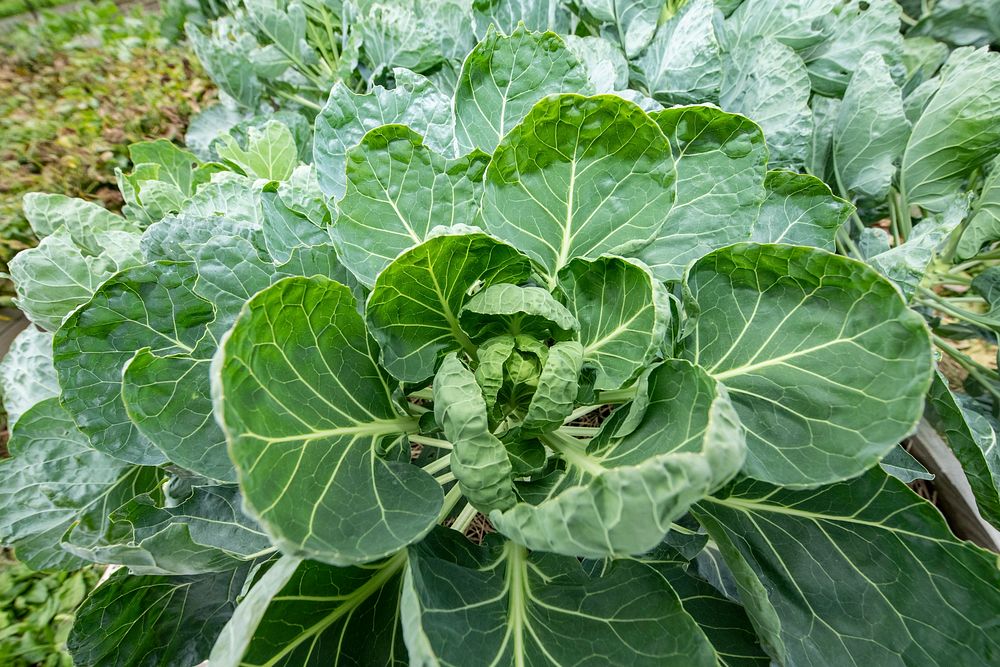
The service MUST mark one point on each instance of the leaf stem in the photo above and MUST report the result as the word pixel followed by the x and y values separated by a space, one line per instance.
pixel 430 442
pixel 437 465
pixel 465 518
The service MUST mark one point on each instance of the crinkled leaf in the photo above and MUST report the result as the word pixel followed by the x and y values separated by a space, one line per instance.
pixel 623 316
pixel 301 613
pixel 537 15
pixel 814 567
pixel 631 22
pixel 558 384
pixel 286 229
pixel 154 620
pixel 504 308
pixel 603 61
pixel 478 459
pixel 150 306
pixel 961 22
pixel 503 77
pixel 958 131
pixel 83 220
pixel 54 481
pixel 27 376
pixel 721 161
pixel 269 153
pixel 825 364
pixel 579 177
pixel 871 130
pixel 799 209
pixel 414 308
pixel 985 223
pixel 534 609
pixel 313 429
pixel 398 190
pixel 619 496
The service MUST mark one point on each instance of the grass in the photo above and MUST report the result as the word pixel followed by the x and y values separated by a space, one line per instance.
pixel 15 7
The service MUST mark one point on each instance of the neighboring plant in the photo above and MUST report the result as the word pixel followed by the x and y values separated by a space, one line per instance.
pixel 36 613
pixel 76 89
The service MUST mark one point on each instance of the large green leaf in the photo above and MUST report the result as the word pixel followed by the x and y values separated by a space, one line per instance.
pixel 799 209
pixel 579 177
pixel 307 614
pixel 27 376
pixel 313 429
pixel 203 532
pixel 534 608
pixel 269 153
pixel 83 220
pixel 504 308
pixel 347 116
pixel 683 65
pixel 414 308
pixel 154 620
pixel 152 306
pixel 603 61
pixel 973 441
pixel 871 130
pixel 536 15
pixel 958 131
pixel 478 459
pixel 57 276
pixel 766 80
pixel 623 313
pixel 825 364
pixel 502 79
pixel 814 567
pixel 398 190
pixel 54 482
pixel 619 495
pixel 721 161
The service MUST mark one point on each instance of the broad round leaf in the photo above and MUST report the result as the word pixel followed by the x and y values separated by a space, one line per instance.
pixel 799 209
pixel 579 177
pixel 414 308
pixel 539 609
pixel 313 430
pixel 825 364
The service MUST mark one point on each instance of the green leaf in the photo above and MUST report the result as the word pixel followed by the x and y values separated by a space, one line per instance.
pixel 505 15
pixel 167 397
pixel 492 355
pixel 54 278
pixel 799 209
pixel 960 22
pixel 900 464
pixel 347 116
pixel 825 364
pixel 814 567
pixel 398 190
pixel 270 152
pixel 166 621
pixel 502 79
pixel 858 27
pixel 303 613
pixel 174 164
pixel 631 22
pixel 619 495
pixel 313 429
pixel 285 229
pixel 825 111
pixel 721 161
pixel 229 196
pixel 204 532
pixel 27 376
pixel 683 63
pixel 603 61
pixel 973 441
pixel 958 131
pixel 623 314
pixel 413 310
pixel 871 130
pixel 984 226
pixel 766 80
pixel 579 177
pixel 504 308
pixel 478 459
pixel 534 608
pixel 55 482
pixel 558 384
pixel 907 264
pixel 723 621
pixel 154 306
pixel 83 220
